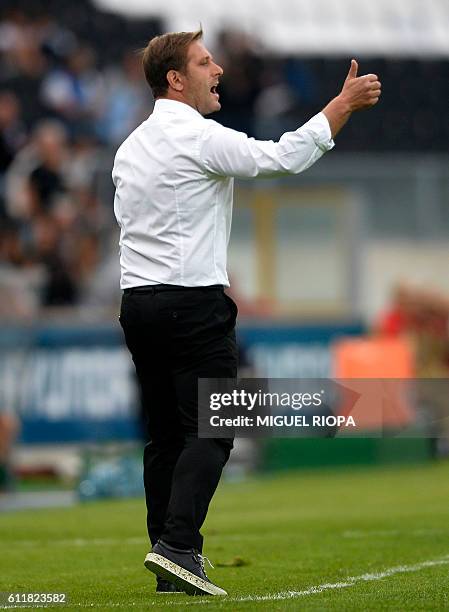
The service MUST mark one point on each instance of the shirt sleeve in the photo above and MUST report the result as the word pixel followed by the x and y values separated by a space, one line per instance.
pixel 226 152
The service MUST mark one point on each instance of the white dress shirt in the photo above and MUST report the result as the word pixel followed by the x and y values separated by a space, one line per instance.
pixel 174 179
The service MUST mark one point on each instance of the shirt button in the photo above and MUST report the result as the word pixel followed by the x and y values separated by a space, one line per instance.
pixel 175 315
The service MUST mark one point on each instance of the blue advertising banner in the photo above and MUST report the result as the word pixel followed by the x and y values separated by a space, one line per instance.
pixel 73 384
pixel 286 351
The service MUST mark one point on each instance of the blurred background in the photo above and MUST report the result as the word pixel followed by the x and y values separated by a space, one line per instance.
pixel 339 271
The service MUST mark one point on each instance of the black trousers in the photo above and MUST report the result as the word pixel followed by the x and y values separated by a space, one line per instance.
pixel 177 335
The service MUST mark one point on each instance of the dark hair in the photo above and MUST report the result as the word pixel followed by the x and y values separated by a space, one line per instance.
pixel 164 53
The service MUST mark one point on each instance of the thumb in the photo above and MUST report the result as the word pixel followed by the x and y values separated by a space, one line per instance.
pixel 353 70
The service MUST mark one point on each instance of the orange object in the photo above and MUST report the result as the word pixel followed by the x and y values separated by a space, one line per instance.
pixel 373 358
pixel 377 370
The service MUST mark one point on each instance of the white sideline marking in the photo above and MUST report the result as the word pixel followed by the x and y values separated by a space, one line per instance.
pixel 350 581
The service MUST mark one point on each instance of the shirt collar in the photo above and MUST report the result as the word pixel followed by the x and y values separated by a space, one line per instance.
pixel 165 105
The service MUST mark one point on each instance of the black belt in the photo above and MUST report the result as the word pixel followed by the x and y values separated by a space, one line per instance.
pixel 152 289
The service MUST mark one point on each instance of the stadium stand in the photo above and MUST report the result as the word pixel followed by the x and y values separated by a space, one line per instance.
pixel 71 90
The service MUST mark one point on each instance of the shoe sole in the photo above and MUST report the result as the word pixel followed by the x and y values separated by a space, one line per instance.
pixel 185 580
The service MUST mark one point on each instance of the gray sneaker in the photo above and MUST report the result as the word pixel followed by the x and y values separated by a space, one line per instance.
pixel 184 568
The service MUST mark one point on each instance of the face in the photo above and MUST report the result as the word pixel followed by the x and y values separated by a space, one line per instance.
pixel 201 79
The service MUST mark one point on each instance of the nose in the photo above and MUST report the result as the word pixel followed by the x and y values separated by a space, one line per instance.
pixel 218 70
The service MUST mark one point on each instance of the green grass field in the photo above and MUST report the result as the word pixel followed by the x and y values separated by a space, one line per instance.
pixel 377 539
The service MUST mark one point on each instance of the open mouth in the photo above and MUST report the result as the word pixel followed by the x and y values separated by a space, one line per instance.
pixel 214 91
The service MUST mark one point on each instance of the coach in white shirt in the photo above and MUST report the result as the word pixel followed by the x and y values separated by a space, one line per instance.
pixel 174 188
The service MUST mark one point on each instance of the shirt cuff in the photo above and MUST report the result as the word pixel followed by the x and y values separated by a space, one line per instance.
pixel 321 132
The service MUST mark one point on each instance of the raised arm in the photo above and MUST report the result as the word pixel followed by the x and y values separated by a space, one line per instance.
pixel 225 152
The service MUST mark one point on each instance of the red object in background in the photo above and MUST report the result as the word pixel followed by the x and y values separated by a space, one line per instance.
pixel 393 323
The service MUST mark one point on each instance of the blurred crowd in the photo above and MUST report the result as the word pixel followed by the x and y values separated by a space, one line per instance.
pixel 71 89
pixel 58 113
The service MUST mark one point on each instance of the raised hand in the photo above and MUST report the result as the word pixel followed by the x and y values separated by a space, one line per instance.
pixel 357 93
pixel 360 92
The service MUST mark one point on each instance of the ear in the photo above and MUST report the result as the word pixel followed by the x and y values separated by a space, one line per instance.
pixel 175 80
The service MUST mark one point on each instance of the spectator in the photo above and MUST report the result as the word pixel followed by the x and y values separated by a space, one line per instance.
pixel 239 85
pixel 47 180
pixel 20 282
pixel 12 129
pixel 73 91
pixel 423 315
pixel 24 69
pixel 12 138
pixel 126 100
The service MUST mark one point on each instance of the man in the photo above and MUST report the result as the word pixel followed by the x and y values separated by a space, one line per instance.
pixel 174 188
